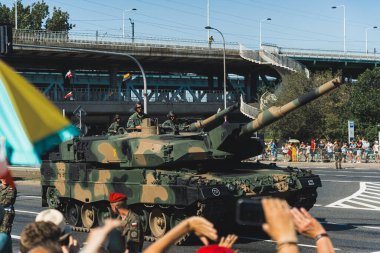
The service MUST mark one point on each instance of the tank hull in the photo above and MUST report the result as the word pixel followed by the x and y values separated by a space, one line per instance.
pixel 80 191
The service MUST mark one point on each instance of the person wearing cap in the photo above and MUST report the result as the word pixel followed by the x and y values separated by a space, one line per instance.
pixel 56 217
pixel 7 200
pixel 131 228
pixel 113 128
pixel 136 118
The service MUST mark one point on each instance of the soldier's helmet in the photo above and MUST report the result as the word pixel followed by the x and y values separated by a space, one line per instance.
pixel 171 114
pixel 138 105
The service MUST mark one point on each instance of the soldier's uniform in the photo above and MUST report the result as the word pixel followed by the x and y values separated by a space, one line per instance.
pixel 113 127
pixel 172 124
pixel 135 120
pixel 7 200
pixel 133 232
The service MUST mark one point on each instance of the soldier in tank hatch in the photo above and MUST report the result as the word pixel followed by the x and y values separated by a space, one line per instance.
pixel 135 119
pixel 7 200
pixel 131 228
pixel 113 128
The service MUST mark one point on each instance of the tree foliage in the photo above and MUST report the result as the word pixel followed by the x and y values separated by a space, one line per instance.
pixel 364 106
pixel 59 21
pixel 35 17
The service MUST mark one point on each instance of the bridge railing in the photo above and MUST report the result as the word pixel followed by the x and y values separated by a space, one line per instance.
pixel 43 36
pixel 154 95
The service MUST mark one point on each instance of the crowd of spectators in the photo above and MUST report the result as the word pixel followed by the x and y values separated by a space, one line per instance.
pixel 50 234
pixel 355 151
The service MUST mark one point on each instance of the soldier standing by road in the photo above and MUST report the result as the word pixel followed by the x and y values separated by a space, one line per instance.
pixel 135 119
pixel 338 155
pixel 7 200
pixel 115 125
pixel 131 228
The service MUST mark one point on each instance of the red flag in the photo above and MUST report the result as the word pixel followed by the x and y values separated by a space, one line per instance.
pixel 69 75
pixel 4 171
pixel 68 95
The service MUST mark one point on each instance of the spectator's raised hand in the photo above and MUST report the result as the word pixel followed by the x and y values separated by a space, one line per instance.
pixel 97 236
pixel 228 242
pixel 202 228
pixel 306 224
pixel 279 224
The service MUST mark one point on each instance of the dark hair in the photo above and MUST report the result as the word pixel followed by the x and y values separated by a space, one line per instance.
pixel 38 233
pixel 48 247
pixel 137 105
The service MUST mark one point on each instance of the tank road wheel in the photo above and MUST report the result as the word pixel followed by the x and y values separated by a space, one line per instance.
pixel 158 222
pixel 175 219
pixel 104 212
pixel 144 217
pixel 52 197
pixel 73 214
pixel 88 215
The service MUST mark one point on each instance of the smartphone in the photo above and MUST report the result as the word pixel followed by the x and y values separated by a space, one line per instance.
pixel 250 212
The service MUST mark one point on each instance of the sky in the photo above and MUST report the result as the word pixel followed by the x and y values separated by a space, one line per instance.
pixel 301 24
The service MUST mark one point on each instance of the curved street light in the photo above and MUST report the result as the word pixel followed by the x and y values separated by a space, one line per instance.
pixel 224 65
pixel 366 37
pixel 344 24
pixel 266 19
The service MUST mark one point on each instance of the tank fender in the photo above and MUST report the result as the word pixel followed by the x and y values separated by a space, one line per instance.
pixel 215 191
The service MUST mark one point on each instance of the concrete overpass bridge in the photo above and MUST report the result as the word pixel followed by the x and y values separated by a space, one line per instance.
pixel 44 57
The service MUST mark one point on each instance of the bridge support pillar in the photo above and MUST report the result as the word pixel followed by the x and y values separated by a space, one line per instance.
pixel 251 82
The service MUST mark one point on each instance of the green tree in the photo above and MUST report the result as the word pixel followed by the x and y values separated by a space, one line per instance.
pixel 364 104
pixel 33 16
pixel 59 21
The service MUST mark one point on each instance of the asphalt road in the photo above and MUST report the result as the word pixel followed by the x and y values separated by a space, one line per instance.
pixel 348 205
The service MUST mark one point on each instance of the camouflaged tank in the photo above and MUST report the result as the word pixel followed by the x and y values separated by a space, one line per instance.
pixel 170 177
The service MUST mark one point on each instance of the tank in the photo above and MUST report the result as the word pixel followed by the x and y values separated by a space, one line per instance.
pixel 170 177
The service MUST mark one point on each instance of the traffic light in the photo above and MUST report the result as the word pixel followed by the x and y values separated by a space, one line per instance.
pixel 5 39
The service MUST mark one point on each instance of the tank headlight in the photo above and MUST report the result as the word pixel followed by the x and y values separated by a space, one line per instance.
pixel 231 187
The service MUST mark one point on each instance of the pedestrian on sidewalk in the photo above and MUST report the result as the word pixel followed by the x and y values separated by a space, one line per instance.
pixel 338 155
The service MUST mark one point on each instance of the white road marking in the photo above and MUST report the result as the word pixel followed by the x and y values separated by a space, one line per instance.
pixel 317 205
pixel 343 181
pixel 28 197
pixel 348 172
pixel 23 211
pixel 271 241
pixel 321 174
pixel 360 199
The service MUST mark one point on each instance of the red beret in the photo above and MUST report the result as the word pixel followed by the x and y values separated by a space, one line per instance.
pixel 116 197
pixel 215 249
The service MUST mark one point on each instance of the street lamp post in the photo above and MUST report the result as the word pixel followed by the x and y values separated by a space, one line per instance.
pixel 224 65
pixel 16 14
pixel 366 37
pixel 344 24
pixel 133 29
pixel 124 11
pixel 266 19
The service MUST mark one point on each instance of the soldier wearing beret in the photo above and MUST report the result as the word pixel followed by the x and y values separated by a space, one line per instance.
pixel 131 228
pixel 7 200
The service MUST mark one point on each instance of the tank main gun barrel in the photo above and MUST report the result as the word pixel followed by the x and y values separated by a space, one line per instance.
pixel 275 113
pixel 203 123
